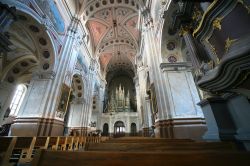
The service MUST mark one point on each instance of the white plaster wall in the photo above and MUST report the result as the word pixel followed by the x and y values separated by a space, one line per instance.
pixel 35 99
pixel 75 115
pixel 184 95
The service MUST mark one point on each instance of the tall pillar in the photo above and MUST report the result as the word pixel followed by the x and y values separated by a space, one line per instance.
pixel 187 120
pixel 7 91
pixel 89 99
pixel 31 118
pixel 177 115
pixel 38 113
pixel 76 112
pixel 148 118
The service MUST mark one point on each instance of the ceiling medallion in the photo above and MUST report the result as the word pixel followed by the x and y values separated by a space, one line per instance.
pixel 172 59
pixel 171 46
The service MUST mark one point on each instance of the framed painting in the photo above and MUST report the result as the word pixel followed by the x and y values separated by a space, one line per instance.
pixel 64 100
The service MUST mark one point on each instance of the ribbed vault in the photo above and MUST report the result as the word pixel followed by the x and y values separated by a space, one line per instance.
pixel 112 26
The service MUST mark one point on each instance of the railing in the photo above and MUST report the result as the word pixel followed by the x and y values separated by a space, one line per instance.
pixel 22 149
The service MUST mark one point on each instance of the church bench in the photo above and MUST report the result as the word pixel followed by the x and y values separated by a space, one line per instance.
pixel 6 147
pixel 81 142
pixel 69 143
pixel 147 140
pixel 104 138
pixel 93 139
pixel 170 146
pixel 61 144
pixel 63 158
pixel 22 151
pixel 53 143
pixel 75 143
pixel 41 142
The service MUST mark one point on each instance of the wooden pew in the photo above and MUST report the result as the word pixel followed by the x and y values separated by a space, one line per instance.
pixel 53 143
pixel 62 158
pixel 82 141
pixel 61 144
pixel 146 140
pixel 6 147
pixel 41 142
pixel 22 151
pixel 75 143
pixel 174 146
pixel 69 143
pixel 104 138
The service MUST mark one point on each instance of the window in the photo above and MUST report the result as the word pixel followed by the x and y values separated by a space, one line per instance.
pixel 17 99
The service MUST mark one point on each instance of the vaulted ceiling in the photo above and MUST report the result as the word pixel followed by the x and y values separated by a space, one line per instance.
pixel 112 26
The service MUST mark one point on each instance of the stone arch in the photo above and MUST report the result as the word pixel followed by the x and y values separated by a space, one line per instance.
pixel 32 50
pixel 119 129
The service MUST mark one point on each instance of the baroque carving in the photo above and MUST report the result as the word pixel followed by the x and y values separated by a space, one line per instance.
pixel 217 23
pixel 228 43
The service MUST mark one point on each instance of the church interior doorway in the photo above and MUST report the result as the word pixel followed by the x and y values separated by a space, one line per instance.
pixel 105 130
pixel 119 129
pixel 133 129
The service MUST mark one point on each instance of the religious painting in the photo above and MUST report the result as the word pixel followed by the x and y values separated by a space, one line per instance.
pixel 153 99
pixel 50 9
pixel 64 100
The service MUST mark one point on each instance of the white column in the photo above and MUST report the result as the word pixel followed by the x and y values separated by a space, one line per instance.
pixel 153 55
pixel 7 91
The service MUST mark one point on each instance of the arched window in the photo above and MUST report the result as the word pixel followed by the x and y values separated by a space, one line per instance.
pixel 17 99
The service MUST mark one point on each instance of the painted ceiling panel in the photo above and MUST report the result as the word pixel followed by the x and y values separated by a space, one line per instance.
pixel 113 27
pixel 97 30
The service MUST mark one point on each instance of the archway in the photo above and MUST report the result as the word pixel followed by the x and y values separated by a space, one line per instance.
pixel 105 131
pixel 30 57
pixel 133 129
pixel 119 129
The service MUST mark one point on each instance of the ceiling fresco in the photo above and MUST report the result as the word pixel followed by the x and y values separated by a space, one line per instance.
pixel 112 26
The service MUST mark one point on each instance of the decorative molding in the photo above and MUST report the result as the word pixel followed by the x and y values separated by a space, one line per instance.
pixel 178 66
pixel 226 75
pixel 228 43
pixel 217 23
